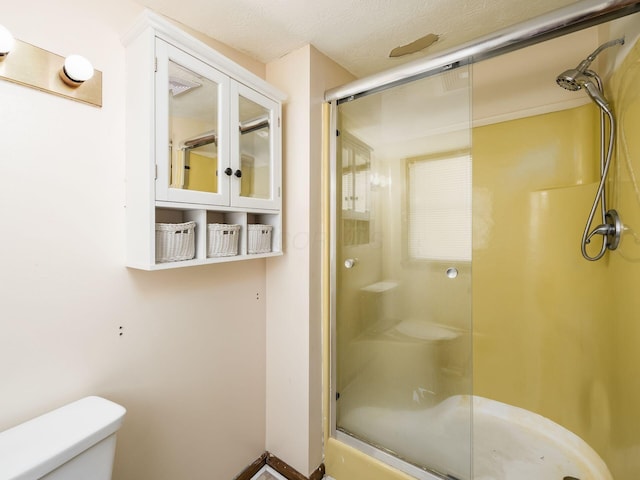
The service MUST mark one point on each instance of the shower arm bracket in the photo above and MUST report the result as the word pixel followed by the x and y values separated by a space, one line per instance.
pixel 611 230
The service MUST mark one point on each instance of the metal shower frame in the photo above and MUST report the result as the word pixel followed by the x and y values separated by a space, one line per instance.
pixel 556 23
pixel 575 17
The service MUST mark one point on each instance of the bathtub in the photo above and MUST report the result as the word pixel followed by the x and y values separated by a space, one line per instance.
pixel 509 443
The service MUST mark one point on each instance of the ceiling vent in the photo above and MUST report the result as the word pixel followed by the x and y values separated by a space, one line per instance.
pixel 178 86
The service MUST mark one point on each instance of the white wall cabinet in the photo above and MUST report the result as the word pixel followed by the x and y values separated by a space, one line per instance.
pixel 203 144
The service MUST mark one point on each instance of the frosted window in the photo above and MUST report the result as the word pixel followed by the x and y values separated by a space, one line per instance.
pixel 440 209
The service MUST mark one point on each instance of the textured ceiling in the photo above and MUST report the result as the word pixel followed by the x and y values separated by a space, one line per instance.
pixel 358 34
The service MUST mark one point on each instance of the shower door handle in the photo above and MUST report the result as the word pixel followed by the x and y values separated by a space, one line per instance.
pixel 350 262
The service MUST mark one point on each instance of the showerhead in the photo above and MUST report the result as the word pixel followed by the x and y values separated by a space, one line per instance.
pixel 569 79
pixel 581 77
pixel 574 80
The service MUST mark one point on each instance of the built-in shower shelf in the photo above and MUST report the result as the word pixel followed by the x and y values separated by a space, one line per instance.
pixel 380 287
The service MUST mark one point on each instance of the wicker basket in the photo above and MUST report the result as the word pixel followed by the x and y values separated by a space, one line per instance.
pixel 175 241
pixel 223 240
pixel 259 238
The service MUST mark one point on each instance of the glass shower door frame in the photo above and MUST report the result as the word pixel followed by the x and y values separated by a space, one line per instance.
pixel 364 447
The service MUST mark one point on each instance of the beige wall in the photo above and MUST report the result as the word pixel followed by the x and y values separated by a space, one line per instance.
pixel 294 357
pixel 190 363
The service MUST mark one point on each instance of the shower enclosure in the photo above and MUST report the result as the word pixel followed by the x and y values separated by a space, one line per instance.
pixel 470 338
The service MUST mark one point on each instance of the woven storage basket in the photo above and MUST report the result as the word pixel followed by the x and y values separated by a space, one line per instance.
pixel 175 241
pixel 223 240
pixel 259 238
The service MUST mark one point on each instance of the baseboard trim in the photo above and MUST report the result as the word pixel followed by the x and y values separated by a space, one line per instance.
pixel 283 468
pixel 251 470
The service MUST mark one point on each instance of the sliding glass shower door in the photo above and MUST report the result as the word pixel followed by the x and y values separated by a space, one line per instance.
pixel 402 275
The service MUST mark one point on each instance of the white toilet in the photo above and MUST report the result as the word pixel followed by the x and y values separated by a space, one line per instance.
pixel 74 442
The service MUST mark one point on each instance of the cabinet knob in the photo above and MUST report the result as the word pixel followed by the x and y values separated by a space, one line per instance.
pixel 238 173
pixel 228 171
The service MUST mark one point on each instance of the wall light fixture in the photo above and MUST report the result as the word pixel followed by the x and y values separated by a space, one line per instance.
pixel 7 42
pixel 76 70
pixel 72 77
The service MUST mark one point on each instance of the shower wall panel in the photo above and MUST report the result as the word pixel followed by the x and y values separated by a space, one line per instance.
pixel 624 445
pixel 542 331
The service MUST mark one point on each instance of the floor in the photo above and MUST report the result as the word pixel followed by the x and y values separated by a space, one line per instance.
pixel 267 473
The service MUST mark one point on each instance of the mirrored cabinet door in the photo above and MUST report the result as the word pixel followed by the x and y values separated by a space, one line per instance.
pixel 255 137
pixel 192 148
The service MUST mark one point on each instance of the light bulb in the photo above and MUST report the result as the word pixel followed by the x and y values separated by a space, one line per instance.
pixel 7 42
pixel 76 70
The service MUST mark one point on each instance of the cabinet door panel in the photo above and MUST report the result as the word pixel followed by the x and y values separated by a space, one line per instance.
pixel 255 151
pixel 192 148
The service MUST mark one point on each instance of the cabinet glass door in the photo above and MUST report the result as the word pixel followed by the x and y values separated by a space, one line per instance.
pixel 192 147
pixel 256 145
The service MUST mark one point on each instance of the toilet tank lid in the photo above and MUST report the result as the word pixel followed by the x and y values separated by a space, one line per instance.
pixel 40 445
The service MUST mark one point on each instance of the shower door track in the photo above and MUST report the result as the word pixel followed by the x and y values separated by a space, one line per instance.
pixel 388 458
pixel 577 16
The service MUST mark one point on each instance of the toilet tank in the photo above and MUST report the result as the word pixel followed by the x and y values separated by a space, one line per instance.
pixel 74 442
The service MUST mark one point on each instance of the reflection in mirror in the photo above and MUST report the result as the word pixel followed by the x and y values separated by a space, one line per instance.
pixel 193 127
pixel 356 173
pixel 255 150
